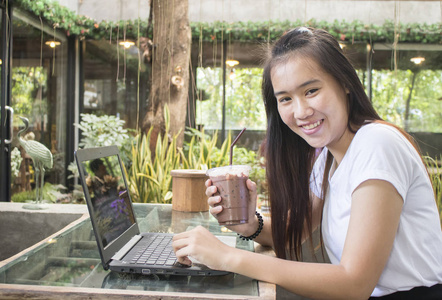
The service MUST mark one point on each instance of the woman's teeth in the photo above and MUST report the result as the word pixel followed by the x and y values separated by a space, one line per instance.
pixel 314 125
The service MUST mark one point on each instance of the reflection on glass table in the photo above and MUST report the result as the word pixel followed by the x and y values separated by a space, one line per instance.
pixel 72 260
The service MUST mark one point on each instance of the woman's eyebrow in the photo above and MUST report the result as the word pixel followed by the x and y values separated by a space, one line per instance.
pixel 308 82
pixel 299 86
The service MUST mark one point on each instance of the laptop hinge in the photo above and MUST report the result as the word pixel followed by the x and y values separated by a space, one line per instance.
pixel 122 252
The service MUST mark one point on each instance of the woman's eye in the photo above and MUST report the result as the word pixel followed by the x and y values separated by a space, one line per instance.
pixel 284 99
pixel 310 92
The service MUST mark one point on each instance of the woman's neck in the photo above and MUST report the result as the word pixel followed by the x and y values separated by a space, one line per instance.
pixel 339 148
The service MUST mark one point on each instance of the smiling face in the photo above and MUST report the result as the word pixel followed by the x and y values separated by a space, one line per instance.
pixel 312 104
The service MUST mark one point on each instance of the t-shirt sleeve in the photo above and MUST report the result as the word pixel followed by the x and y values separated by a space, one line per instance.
pixel 382 153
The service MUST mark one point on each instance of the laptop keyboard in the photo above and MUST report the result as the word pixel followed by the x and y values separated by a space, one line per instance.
pixel 156 250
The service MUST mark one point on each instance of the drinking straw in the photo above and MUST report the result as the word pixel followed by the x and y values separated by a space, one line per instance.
pixel 233 144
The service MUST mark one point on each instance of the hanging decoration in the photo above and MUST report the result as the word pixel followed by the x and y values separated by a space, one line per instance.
pixel 52 44
pixel 177 81
pixel 145 46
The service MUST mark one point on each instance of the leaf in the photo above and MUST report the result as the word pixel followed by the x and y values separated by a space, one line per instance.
pixel 168 196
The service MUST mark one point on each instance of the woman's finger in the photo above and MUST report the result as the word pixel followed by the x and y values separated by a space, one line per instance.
pixel 213 201
pixel 211 190
pixel 180 242
pixel 182 258
pixel 216 210
pixel 214 207
pixel 251 185
pixel 252 192
pixel 180 236
pixel 184 261
pixel 208 182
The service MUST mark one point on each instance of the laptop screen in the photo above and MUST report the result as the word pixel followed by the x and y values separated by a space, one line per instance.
pixel 112 210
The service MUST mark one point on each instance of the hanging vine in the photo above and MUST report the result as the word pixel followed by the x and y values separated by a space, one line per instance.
pixel 85 27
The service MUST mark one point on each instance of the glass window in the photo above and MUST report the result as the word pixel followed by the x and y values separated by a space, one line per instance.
pixel 1 36
pixel 112 74
pixel 38 86
pixel 244 105
pixel 407 91
pixel 410 94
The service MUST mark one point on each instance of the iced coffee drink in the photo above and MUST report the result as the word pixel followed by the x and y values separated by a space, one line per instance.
pixel 231 184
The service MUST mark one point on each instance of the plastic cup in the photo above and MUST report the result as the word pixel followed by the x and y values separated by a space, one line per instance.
pixel 231 184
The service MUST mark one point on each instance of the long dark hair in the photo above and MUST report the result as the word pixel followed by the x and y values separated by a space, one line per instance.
pixel 289 158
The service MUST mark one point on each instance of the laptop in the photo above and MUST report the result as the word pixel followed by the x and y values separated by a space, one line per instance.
pixel 121 245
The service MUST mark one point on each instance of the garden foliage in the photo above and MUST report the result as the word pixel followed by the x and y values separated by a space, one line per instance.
pixel 149 175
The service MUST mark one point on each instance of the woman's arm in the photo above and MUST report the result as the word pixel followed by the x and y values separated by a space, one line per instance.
pixel 265 237
pixel 376 208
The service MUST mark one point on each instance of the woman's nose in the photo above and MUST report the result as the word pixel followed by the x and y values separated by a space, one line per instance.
pixel 302 109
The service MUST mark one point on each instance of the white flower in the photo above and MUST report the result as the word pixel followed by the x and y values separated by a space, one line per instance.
pixel 15 161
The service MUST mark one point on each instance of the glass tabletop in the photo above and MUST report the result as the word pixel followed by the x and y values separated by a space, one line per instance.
pixel 71 259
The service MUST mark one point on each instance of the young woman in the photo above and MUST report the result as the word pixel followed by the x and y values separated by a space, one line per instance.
pixel 368 190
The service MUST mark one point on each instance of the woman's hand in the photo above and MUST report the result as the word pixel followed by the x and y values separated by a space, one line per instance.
pixel 246 229
pixel 203 246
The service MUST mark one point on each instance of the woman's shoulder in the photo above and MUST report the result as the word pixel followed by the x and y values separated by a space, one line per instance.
pixel 382 151
pixel 383 142
pixel 379 129
pixel 376 134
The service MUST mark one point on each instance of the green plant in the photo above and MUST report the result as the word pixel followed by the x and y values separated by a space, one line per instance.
pixel 23 196
pixel 435 171
pixel 54 193
pixel 149 175
pixel 201 152
pixel 105 130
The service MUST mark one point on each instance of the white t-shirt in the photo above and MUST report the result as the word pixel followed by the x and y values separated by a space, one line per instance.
pixel 380 151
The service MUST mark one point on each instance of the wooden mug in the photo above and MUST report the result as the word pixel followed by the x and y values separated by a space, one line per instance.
pixel 189 190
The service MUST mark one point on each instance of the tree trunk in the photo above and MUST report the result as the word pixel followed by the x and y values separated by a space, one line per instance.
pixel 170 66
